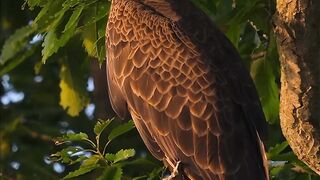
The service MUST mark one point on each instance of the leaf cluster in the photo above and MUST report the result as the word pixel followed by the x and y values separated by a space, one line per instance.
pixel 283 164
pixel 110 165
pixel 56 24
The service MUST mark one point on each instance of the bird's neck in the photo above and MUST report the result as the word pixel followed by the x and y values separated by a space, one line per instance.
pixel 172 9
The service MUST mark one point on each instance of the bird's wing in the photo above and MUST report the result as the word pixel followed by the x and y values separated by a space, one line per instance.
pixel 185 107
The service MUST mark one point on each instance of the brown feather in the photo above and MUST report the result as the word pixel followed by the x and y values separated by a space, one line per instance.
pixel 186 89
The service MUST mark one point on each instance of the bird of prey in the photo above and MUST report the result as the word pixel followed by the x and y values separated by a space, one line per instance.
pixel 184 84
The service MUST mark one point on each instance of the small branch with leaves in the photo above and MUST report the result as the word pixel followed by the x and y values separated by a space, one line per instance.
pixel 111 164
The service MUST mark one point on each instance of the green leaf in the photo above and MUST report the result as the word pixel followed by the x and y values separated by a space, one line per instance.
pixel 262 17
pixel 65 154
pixel 121 129
pixel 282 173
pixel 96 12
pixel 52 43
pixel 250 43
pixel 33 3
pixel 100 42
pixel 73 95
pixel 82 170
pixel 155 173
pixel 111 173
pixel 120 155
pixel 110 157
pixel 93 30
pixel 49 16
pixel 80 158
pixel 277 149
pixel 267 88
pixel 16 43
pixel 73 3
pixel 17 60
pixel 71 137
pixel 101 125
pixel 89 38
pixel 73 21
pixel 234 33
pixel 264 74
pixel 87 166
pixel 91 161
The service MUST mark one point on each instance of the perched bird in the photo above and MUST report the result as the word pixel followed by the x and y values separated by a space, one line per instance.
pixel 184 84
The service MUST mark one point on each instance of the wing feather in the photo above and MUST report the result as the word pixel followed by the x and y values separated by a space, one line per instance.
pixel 186 103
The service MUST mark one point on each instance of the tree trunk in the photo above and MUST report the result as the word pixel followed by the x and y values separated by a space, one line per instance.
pixel 298 39
pixel 103 108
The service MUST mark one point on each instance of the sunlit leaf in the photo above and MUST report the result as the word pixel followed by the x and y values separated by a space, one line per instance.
pixel 16 43
pixel 89 38
pixel 71 137
pixel 111 173
pixel 101 125
pixel 110 157
pixel 73 96
pixel 91 161
pixel 121 129
pixel 93 30
pixel 120 155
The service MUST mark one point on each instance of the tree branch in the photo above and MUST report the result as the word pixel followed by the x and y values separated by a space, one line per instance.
pixel 298 39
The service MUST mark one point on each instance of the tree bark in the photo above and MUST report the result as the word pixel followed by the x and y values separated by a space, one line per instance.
pixel 298 39
pixel 103 108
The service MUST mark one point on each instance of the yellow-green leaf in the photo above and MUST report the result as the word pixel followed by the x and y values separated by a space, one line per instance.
pixel 73 96
pixel 101 125
pixel 93 31
pixel 120 155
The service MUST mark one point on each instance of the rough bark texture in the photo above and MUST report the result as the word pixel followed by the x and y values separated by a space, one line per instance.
pixel 298 38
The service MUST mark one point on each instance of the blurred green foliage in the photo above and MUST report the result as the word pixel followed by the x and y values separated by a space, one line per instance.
pixel 47 49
